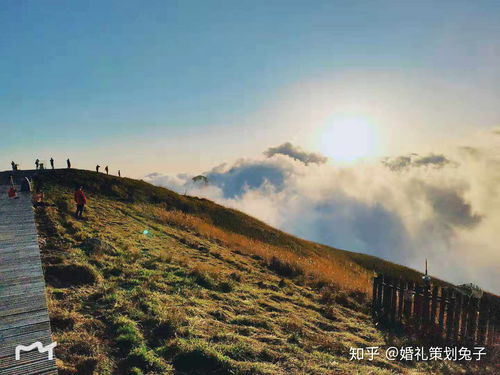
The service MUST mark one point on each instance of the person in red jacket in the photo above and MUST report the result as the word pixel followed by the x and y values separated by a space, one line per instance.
pixel 81 201
pixel 12 193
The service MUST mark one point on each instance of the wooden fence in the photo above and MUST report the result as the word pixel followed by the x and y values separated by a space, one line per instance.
pixel 438 312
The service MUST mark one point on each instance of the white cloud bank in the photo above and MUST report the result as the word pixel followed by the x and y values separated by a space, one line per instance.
pixel 404 209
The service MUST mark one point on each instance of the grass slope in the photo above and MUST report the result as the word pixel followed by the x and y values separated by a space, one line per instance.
pixel 205 290
pixel 134 191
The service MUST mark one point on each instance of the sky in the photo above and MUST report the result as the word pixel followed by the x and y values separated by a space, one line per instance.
pixel 286 105
pixel 189 84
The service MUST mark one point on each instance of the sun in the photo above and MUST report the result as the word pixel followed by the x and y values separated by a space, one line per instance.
pixel 347 139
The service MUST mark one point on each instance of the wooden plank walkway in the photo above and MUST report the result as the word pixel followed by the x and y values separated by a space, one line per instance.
pixel 24 317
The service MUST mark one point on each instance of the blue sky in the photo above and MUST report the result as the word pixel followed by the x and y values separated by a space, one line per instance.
pixel 204 81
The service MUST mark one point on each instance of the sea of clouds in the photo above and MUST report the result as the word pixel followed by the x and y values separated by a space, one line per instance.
pixel 443 207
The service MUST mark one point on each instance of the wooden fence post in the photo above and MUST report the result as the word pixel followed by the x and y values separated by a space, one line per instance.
pixel 394 299
pixel 442 307
pixel 408 301
pixel 387 299
pixel 473 321
pixel 401 295
pixel 450 315
pixel 496 321
pixel 493 322
pixel 417 307
pixel 458 314
pixel 425 306
pixel 380 295
pixel 435 294
pixel 374 295
pixel 482 329
pixel 466 301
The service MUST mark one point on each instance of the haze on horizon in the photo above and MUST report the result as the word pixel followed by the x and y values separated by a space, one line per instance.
pixel 171 89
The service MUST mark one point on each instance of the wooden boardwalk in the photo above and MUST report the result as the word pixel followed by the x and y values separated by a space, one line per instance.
pixel 24 317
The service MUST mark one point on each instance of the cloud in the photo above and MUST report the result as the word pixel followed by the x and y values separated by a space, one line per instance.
pixel 397 164
pixel 450 206
pixel 248 175
pixel 349 223
pixel 404 162
pixel 443 210
pixel 434 160
pixel 471 151
pixel 178 183
pixel 296 153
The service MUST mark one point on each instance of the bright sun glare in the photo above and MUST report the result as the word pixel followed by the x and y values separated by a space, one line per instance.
pixel 347 139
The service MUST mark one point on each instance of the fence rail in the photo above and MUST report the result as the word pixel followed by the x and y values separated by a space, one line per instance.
pixel 447 313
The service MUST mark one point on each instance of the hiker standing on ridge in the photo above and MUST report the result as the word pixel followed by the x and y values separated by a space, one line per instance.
pixel 106 169
pixel 81 201
pixel 119 173
pixel 52 162
pixel 68 162
pixel 97 168
pixel 37 163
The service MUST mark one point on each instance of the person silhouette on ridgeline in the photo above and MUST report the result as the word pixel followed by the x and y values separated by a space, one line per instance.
pixel 106 169
pixel 37 163
pixel 13 165
pixel 81 201
pixel 52 163
pixel 119 173
pixel 68 162
pixel 97 168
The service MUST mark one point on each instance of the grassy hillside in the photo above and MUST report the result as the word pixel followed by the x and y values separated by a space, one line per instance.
pixel 134 191
pixel 152 282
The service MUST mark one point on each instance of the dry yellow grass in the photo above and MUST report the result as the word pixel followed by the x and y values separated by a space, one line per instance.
pixel 337 272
